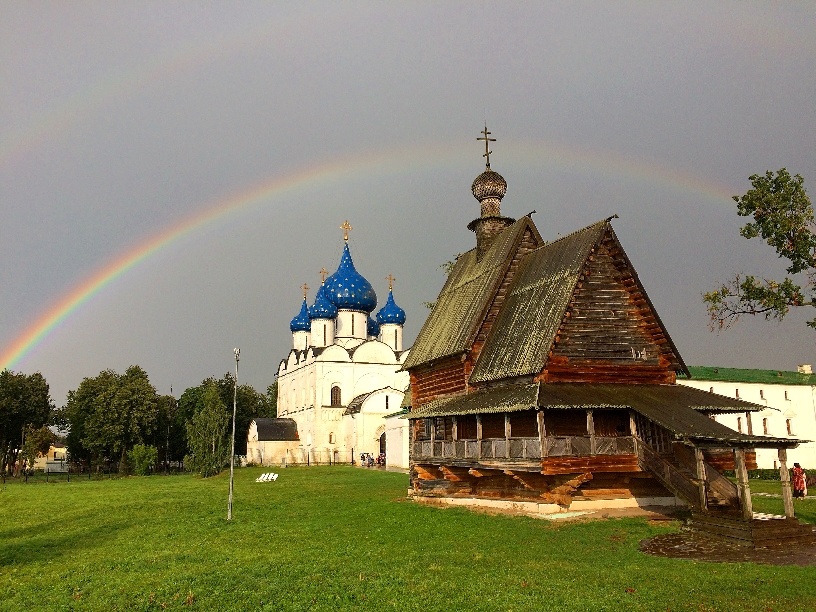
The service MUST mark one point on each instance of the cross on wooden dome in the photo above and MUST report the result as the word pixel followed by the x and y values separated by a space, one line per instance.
pixel 390 280
pixel 305 288
pixel 487 142
pixel 346 229
pixel 323 274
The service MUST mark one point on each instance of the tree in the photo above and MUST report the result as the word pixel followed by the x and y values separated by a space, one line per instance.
pixel 111 413
pixel 207 434
pixel 25 401
pixel 250 404
pixel 142 458
pixel 783 217
pixel 37 443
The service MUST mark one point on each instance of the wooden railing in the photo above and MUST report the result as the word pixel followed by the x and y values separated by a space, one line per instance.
pixel 668 475
pixel 522 448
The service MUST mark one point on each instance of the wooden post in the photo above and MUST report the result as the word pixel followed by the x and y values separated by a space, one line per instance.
pixel 506 435
pixel 542 434
pixel 742 484
pixel 455 429
pixel 701 478
pixel 479 436
pixel 749 424
pixel 787 496
pixel 591 431
pixel 433 433
pixel 633 431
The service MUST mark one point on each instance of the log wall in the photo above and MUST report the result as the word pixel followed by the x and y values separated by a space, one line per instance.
pixel 609 332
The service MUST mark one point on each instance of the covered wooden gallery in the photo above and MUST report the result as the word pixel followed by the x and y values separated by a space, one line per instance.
pixel 544 375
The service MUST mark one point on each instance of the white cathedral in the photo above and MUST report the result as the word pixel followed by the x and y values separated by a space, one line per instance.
pixel 342 380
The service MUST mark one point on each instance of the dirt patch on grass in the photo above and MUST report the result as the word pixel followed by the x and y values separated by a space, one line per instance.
pixel 701 547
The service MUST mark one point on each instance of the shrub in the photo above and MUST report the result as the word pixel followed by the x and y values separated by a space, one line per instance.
pixel 142 457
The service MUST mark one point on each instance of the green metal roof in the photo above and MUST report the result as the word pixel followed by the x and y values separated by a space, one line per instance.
pixel 533 310
pixel 461 305
pixel 768 377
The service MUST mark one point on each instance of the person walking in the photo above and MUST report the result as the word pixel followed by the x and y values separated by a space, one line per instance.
pixel 799 481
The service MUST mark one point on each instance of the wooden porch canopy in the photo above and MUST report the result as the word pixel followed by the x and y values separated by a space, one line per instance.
pixel 678 409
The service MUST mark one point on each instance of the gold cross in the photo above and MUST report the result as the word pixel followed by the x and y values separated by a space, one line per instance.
pixel 346 228
pixel 323 273
pixel 305 288
pixel 390 280
pixel 487 142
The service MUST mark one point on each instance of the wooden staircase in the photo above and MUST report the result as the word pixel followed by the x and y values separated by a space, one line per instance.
pixel 722 516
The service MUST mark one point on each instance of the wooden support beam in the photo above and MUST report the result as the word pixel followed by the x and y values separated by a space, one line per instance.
pixel 455 433
pixel 742 484
pixel 784 476
pixel 701 478
pixel 542 434
pixel 475 473
pixel 591 432
pixel 633 430
pixel 479 436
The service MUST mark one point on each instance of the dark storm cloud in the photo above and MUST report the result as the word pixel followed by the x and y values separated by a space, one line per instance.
pixel 119 121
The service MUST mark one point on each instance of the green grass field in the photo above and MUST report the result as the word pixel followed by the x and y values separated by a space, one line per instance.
pixel 334 538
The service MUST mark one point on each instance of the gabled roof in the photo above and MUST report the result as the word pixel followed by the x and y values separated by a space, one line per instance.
pixel 538 300
pixel 460 307
pixel 534 308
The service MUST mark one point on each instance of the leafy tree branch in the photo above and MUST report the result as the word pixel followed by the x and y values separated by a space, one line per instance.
pixel 783 217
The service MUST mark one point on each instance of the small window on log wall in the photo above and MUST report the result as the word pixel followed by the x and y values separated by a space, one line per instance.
pixel 492 426
pixel 466 427
pixel 524 424
pixel 444 428
pixel 422 429
pixel 565 422
pixel 611 423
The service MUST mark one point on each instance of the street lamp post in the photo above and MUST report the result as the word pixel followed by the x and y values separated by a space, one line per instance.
pixel 234 410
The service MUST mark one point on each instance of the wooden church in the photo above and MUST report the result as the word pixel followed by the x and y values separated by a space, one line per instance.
pixel 544 380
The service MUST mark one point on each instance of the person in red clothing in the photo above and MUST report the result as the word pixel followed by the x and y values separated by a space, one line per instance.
pixel 799 481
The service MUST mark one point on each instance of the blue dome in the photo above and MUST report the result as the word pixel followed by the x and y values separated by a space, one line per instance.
pixel 322 307
pixel 391 313
pixel 347 289
pixel 301 321
pixel 373 327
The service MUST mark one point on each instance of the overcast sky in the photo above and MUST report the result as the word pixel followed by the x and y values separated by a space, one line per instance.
pixel 121 122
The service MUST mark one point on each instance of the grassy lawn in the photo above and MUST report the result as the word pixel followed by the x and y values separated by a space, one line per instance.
pixel 805 509
pixel 330 538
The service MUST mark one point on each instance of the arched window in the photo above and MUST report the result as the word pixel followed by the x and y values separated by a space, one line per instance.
pixel 336 398
pixel 765 426
pixel 789 427
pixel 331 437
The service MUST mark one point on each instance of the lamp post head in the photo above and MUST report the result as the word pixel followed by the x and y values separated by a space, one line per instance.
pixel 237 353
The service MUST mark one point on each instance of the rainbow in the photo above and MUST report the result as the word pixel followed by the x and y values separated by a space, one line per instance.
pixel 395 161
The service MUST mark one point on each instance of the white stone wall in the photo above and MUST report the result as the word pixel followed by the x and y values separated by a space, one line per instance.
pixel 793 405
pixel 304 394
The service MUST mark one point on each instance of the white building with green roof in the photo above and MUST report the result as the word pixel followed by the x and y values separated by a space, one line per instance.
pixel 789 398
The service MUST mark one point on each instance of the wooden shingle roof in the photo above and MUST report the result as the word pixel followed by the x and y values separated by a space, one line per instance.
pixel 674 407
pixel 532 312
pixel 461 305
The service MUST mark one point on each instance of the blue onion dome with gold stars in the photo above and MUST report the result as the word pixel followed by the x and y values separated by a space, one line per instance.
pixel 322 307
pixel 391 313
pixel 373 327
pixel 301 321
pixel 347 289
